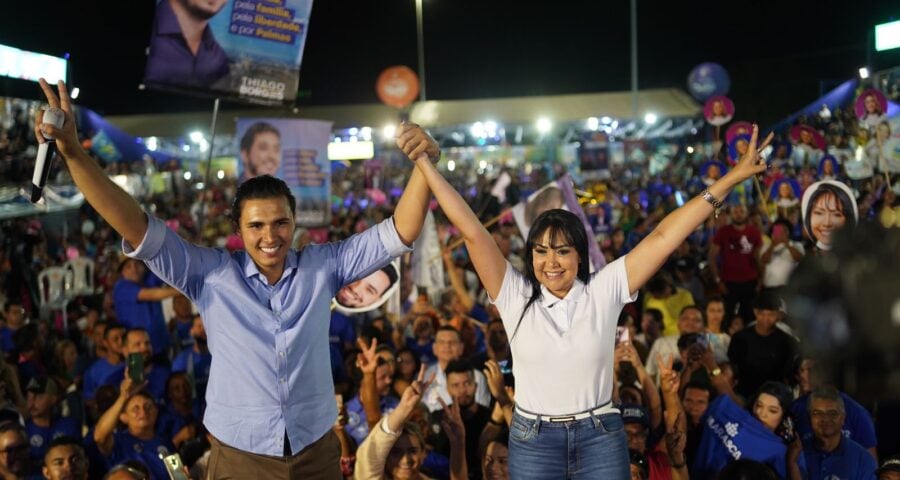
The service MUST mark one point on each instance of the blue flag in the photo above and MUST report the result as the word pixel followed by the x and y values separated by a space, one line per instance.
pixel 731 433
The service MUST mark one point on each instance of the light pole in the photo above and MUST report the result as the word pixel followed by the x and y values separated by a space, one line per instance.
pixel 421 44
pixel 634 60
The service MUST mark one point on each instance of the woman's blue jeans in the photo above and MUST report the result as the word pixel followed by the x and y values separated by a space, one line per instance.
pixel 594 447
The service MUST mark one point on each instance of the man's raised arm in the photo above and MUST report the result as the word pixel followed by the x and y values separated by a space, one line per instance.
pixel 115 205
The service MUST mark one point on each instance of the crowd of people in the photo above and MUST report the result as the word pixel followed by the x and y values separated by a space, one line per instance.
pixel 707 371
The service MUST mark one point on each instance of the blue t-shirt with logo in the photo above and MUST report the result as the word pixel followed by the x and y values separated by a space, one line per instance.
pixel 39 438
pixel 850 461
pixel 357 421
pixel 731 433
pixel 128 447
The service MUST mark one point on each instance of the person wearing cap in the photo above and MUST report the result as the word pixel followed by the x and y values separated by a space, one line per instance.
pixel 890 468
pixel 686 278
pixel 828 453
pixel 270 397
pixel 42 394
pixel 763 352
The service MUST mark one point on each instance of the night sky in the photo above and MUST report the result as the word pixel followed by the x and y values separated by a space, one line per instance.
pixel 779 54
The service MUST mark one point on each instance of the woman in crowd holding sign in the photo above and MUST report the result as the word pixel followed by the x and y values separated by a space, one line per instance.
pixel 562 323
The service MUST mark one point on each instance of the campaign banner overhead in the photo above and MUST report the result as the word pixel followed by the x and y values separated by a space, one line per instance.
pixel 295 151
pixel 247 50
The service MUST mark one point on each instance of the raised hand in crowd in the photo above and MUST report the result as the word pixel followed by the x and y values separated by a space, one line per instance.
pixel 367 361
pixel 676 423
pixel 627 354
pixel 455 430
pixel 720 382
pixel 499 390
pixel 409 400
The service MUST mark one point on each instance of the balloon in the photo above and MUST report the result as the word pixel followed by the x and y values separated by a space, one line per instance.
pixel 708 79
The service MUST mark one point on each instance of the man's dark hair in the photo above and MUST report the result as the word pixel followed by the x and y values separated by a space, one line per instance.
pixel 263 186
pixel 448 328
pixel 62 441
pixel 658 285
pixel 26 337
pixel 656 315
pixel 391 273
pixel 459 366
pixel 254 130
pixel 767 301
pixel 10 303
pixel 699 385
pixel 112 326
pixel 13 426
pixel 826 393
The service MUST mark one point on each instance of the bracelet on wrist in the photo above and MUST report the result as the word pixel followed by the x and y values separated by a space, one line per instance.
pixel 717 205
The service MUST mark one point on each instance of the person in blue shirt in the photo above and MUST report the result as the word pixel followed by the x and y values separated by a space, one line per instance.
pixel 65 460
pixel 828 453
pixel 763 433
pixel 137 341
pixel 137 305
pixel 378 372
pixel 42 394
pixel 341 338
pixel 137 410
pixel 195 361
pixel 183 49
pixel 97 373
pixel 14 315
pixel 180 419
pixel 858 425
pixel 270 391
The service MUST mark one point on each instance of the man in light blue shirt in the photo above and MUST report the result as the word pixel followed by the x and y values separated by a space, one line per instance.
pixel 270 392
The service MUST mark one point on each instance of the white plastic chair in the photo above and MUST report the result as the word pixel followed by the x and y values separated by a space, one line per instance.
pixel 82 270
pixel 52 285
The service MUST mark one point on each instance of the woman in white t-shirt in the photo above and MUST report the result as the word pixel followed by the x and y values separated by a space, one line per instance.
pixel 562 323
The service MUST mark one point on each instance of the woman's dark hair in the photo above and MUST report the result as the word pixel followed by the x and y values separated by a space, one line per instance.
pixel 845 203
pixel 263 186
pixel 561 223
pixel 785 397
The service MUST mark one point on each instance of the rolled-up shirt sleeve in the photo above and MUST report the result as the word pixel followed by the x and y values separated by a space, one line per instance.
pixel 176 261
pixel 366 252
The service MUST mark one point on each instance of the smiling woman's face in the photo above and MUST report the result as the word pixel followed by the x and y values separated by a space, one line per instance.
pixel 555 262
pixel 826 217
